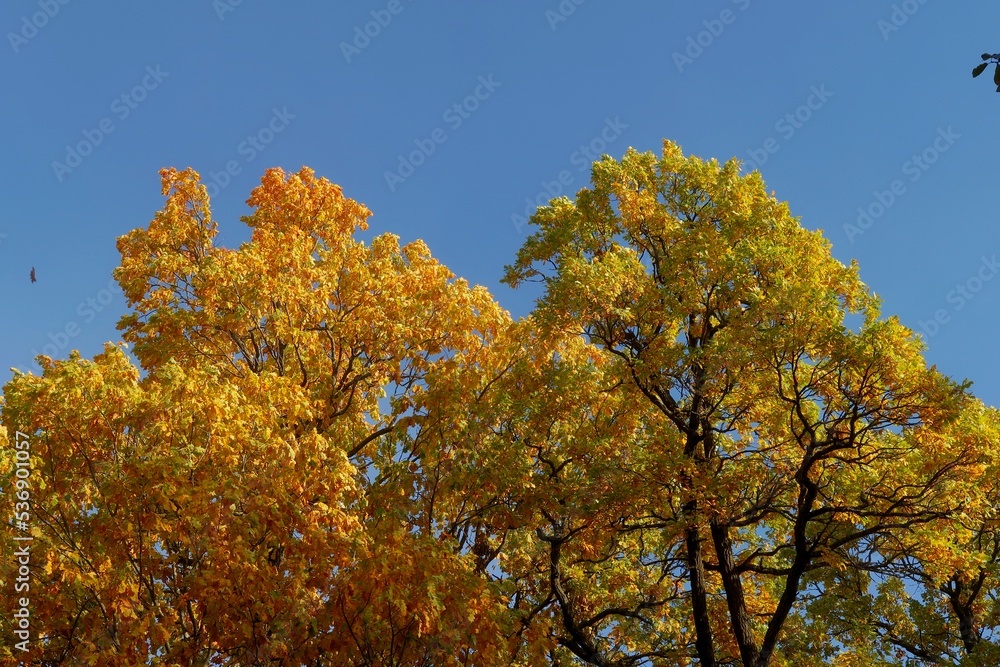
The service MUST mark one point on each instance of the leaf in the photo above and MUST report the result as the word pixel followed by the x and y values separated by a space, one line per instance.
pixel 978 69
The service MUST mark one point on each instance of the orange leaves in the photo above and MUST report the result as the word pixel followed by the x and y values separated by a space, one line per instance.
pixel 340 453
pixel 246 490
pixel 173 245
pixel 303 202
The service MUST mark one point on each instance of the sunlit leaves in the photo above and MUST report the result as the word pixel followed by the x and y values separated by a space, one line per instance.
pixel 704 445
pixel 787 442
pixel 224 505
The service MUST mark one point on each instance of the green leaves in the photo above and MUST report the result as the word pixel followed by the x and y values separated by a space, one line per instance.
pixel 978 69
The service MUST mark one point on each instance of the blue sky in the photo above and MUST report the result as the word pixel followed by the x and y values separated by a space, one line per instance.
pixel 843 106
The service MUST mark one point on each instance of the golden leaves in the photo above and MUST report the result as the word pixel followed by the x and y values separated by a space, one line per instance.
pixel 337 450
pixel 221 480
pixel 724 320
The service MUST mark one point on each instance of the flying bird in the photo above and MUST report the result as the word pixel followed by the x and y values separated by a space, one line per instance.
pixel 33 275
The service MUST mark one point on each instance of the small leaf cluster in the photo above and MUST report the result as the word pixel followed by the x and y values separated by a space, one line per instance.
pixel 989 59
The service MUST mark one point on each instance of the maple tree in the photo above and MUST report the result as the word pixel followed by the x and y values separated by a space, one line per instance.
pixel 705 446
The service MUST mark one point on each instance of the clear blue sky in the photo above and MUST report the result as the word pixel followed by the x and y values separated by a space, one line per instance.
pixel 200 77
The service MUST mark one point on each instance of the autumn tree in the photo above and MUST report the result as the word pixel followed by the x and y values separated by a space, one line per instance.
pixel 236 499
pixel 705 446
pixel 785 426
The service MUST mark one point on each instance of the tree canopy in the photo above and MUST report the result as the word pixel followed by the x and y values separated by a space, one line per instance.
pixel 704 446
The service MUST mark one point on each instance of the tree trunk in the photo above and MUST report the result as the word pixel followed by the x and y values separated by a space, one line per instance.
pixel 735 599
pixel 699 599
